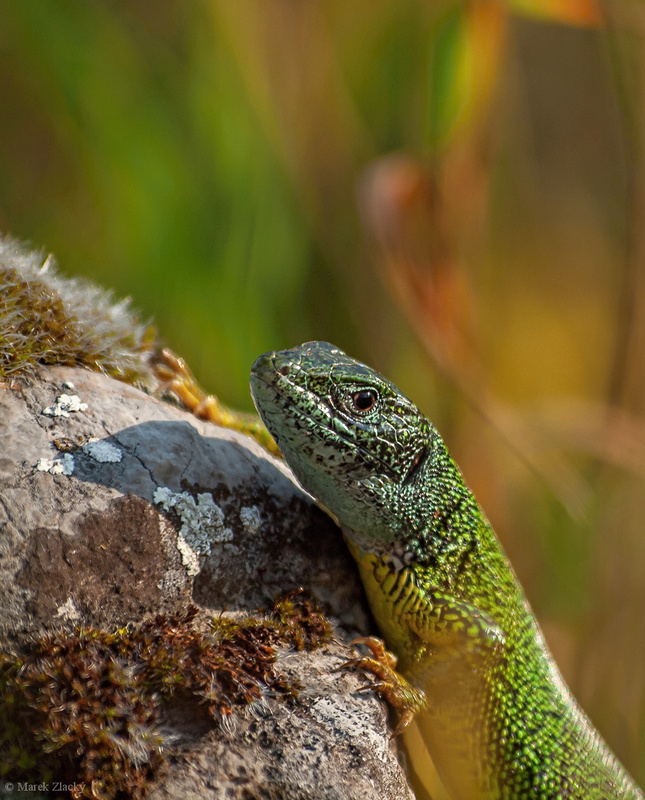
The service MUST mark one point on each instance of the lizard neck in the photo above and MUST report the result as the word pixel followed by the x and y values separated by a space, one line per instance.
pixel 434 525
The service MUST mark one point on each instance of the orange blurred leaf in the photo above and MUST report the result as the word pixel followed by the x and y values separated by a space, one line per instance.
pixel 574 12
pixel 403 211
pixel 468 48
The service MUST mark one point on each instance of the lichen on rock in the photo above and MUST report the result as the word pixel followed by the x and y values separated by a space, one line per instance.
pixel 126 509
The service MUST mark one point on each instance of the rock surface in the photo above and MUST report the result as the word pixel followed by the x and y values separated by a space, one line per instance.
pixel 115 506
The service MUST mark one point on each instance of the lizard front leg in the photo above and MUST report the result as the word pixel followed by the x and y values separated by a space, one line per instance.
pixel 394 688
pixel 428 630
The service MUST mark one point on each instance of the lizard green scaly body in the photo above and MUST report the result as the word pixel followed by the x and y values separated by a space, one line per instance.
pixel 494 712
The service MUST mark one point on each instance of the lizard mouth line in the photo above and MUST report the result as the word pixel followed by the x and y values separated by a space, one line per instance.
pixel 350 443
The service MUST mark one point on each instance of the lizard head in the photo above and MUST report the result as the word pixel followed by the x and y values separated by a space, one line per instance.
pixel 352 439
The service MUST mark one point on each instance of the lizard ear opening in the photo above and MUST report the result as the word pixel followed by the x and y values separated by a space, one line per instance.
pixel 419 460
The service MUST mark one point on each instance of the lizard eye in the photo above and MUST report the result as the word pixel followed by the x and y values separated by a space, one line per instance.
pixel 364 400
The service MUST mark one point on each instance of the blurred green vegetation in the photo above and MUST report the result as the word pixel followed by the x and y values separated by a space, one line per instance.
pixel 229 166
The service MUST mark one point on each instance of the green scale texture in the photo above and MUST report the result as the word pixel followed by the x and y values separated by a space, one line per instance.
pixel 497 718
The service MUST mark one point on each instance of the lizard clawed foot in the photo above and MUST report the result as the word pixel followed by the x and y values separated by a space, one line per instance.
pixel 174 376
pixel 395 689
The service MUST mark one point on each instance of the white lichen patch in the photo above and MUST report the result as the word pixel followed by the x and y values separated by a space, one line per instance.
pixel 189 558
pixel 104 452
pixel 68 610
pixel 57 466
pixel 202 524
pixel 251 519
pixel 65 405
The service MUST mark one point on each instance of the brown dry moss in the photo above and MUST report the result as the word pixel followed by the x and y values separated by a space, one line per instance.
pixel 48 319
pixel 84 707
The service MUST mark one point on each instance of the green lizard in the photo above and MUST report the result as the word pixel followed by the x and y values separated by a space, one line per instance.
pixel 494 712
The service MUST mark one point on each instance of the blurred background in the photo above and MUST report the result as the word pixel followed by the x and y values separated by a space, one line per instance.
pixel 451 191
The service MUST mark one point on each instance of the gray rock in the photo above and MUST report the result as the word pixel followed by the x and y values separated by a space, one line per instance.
pixel 115 507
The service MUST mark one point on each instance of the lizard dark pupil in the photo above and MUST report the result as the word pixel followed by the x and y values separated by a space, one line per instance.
pixel 364 401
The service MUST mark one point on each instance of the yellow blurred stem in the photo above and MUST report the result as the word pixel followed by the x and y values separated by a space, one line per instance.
pixel 174 376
